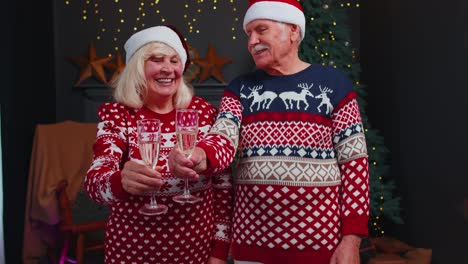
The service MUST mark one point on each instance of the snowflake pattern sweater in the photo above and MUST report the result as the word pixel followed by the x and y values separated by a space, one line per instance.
pixel 188 233
pixel 302 180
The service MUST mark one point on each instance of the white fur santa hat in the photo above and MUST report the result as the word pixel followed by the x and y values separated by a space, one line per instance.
pixel 287 11
pixel 167 34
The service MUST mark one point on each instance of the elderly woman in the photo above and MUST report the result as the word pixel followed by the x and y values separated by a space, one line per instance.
pixel 152 86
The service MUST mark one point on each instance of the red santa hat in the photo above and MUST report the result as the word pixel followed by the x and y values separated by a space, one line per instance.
pixel 168 35
pixel 287 11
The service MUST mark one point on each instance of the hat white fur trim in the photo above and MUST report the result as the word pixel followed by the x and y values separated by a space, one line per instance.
pixel 160 34
pixel 278 11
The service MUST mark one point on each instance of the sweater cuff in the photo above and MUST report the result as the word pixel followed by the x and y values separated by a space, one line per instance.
pixel 117 188
pixel 356 226
pixel 220 250
pixel 211 161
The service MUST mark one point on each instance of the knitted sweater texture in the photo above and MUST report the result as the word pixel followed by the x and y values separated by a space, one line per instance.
pixel 302 179
pixel 187 233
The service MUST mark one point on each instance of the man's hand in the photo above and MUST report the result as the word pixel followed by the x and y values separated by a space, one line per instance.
pixel 347 251
pixel 138 179
pixel 182 167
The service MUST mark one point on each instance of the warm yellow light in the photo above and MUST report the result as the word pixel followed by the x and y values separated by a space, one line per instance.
pixel 84 11
pixel 186 5
pixel 234 37
pixel 116 48
pixel 103 30
pixel 67 2
pixel 163 20
pixel 214 7
pixel 98 37
pixel 84 17
pixel 142 3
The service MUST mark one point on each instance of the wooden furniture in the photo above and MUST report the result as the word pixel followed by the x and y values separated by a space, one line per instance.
pixel 60 151
pixel 76 233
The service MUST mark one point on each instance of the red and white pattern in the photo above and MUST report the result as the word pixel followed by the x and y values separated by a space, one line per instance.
pixel 187 233
pixel 302 181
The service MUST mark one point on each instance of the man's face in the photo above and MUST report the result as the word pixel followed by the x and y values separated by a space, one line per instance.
pixel 269 42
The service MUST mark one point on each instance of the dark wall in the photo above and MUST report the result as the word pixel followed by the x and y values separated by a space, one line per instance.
pixel 73 35
pixel 28 98
pixel 413 55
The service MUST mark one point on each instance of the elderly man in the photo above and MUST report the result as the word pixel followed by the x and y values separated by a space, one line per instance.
pixel 302 179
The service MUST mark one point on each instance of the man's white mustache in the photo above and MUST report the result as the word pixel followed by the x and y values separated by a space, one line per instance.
pixel 259 47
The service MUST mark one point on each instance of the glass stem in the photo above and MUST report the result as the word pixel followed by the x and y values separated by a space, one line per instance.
pixel 153 203
pixel 186 189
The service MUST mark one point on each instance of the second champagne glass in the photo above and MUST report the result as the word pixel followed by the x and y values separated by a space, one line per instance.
pixel 149 138
pixel 186 131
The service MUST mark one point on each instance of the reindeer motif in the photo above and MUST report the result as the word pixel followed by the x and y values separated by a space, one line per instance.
pixel 267 97
pixel 325 99
pixel 241 94
pixel 290 97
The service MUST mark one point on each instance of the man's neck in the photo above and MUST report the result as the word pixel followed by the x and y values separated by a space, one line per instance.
pixel 287 68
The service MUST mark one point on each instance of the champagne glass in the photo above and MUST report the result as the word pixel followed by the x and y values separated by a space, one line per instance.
pixel 149 137
pixel 186 131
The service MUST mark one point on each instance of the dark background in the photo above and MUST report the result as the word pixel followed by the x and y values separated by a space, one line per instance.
pixel 414 58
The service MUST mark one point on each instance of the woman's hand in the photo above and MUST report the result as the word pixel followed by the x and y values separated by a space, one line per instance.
pixel 182 167
pixel 138 179
pixel 213 260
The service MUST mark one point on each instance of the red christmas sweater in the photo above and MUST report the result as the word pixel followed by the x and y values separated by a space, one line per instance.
pixel 302 179
pixel 188 233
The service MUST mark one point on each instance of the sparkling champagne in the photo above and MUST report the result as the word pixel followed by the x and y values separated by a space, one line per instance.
pixel 149 151
pixel 186 140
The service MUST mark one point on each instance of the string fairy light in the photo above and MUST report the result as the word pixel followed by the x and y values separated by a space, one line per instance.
pixel 112 17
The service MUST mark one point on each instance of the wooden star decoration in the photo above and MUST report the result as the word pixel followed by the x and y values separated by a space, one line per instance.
pixel 211 65
pixel 91 66
pixel 116 68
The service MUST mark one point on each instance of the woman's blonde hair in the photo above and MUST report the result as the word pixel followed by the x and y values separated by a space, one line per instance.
pixel 130 86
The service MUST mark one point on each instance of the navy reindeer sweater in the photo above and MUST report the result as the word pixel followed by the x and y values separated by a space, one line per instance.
pixel 302 180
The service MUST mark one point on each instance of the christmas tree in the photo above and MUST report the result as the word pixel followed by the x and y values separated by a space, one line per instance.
pixel 327 41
